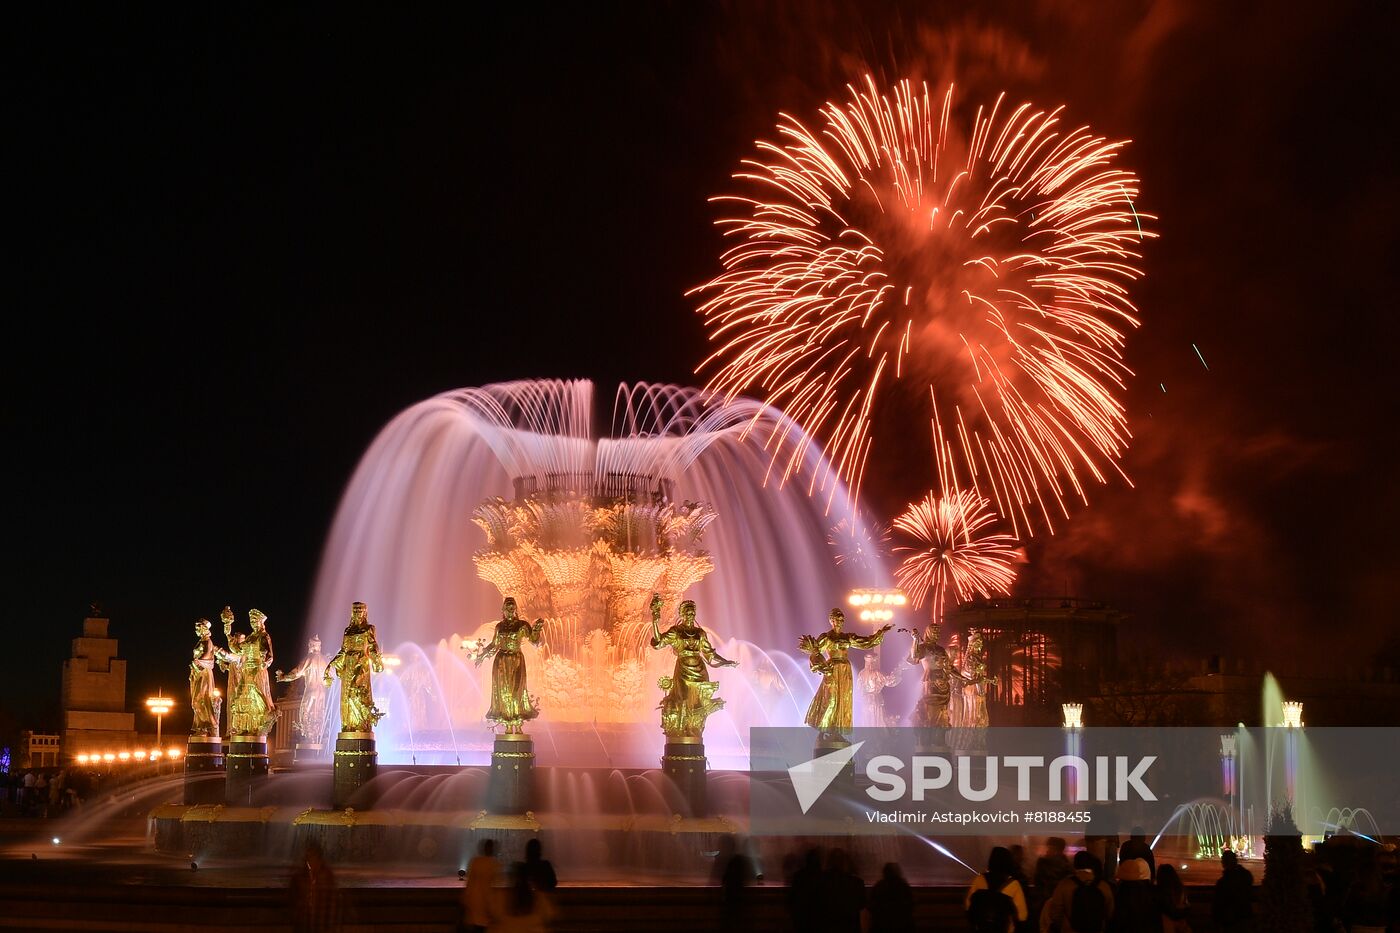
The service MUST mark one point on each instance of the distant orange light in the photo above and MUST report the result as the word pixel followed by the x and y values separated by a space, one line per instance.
pixel 173 753
pixel 109 757
pixel 124 756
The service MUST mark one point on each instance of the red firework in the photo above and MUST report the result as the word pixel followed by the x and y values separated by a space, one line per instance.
pixel 955 552
pixel 991 267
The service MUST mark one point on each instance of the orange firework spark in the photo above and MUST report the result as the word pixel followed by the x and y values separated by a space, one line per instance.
pixel 992 268
pixel 955 554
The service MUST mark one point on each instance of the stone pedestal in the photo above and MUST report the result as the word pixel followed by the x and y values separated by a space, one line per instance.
pixel 204 769
pixel 356 762
pixel 512 774
pixel 246 768
pixel 843 786
pixel 683 761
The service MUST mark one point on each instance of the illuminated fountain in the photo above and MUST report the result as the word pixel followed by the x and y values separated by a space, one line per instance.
pixel 506 490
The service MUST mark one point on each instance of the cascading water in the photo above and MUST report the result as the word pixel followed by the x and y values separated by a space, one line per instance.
pixel 404 541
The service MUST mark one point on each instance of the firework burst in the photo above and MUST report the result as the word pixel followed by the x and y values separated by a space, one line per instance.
pixel 991 267
pixel 956 553
pixel 858 543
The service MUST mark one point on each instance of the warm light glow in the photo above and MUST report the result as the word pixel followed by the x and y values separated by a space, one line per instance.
pixel 109 757
pixel 984 260
pixel 155 753
pixel 392 661
pixel 82 759
pixel 173 753
pixel 139 755
pixel 124 756
pixel 1074 715
pixel 1293 714
pixel 875 597
pixel 159 705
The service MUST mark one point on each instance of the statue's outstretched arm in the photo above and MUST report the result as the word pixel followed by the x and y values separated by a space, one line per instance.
pixel 866 642
pixel 536 632
pixel 713 657
pixel 489 650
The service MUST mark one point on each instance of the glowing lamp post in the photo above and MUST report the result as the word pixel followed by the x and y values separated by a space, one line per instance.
pixel 159 705
pixel 1293 715
pixel 1292 725
pixel 876 606
pixel 1073 723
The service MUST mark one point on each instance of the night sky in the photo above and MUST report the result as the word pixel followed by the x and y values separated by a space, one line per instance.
pixel 242 241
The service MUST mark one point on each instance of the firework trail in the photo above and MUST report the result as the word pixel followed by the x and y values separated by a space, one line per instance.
pixel 993 268
pixel 955 554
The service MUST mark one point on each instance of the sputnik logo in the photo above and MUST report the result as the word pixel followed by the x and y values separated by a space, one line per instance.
pixel 811 778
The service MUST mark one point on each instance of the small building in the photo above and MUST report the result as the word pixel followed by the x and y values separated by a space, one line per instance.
pixel 38 750
pixel 95 718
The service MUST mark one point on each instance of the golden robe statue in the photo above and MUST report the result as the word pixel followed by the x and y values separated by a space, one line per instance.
pixel 830 712
pixel 511 705
pixel 690 693
pixel 205 700
pixel 358 656
pixel 310 722
pixel 250 707
pixel 931 711
pixel 974 680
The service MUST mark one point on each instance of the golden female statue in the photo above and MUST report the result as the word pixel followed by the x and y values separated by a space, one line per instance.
pixel 931 711
pixel 250 707
pixel 690 693
pixel 511 705
pixel 358 655
pixel 830 712
pixel 974 680
pixel 204 698
pixel 310 720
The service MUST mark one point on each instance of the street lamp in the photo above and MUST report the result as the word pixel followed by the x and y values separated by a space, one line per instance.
pixel 159 705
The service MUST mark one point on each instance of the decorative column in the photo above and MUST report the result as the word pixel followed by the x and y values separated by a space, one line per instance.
pixel 1073 725
pixel 1292 725
pixel 683 761
pixel 512 773
pixel 356 763
pixel 246 768
pixel 204 769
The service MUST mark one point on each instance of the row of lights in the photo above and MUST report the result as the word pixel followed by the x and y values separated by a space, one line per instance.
pixel 876 605
pixel 154 754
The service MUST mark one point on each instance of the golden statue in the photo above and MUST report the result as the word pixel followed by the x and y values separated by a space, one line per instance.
pixel 511 705
pixel 310 721
pixel 830 712
pixel 974 680
pixel 358 655
pixel 250 707
pixel 931 711
pixel 690 693
pixel 204 696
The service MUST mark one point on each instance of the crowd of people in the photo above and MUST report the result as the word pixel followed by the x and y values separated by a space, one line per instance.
pixel 45 793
